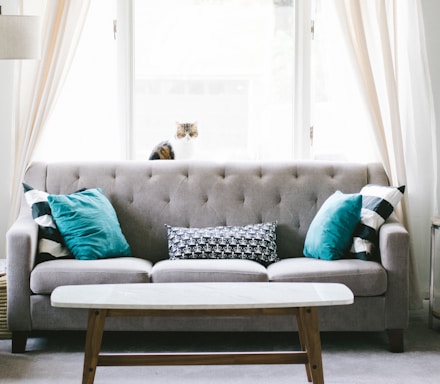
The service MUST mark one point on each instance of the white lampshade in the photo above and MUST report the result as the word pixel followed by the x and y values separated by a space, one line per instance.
pixel 19 37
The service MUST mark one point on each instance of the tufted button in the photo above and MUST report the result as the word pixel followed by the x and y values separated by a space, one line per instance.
pixel 332 173
pixel 279 199
pixel 295 173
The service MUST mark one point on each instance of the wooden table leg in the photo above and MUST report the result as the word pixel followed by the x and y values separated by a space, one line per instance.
pixel 303 342
pixel 311 340
pixel 95 329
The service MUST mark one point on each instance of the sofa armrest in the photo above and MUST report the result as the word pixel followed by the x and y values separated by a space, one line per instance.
pixel 21 247
pixel 394 250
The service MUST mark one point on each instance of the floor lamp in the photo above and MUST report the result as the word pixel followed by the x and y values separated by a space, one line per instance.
pixel 19 40
pixel 19 37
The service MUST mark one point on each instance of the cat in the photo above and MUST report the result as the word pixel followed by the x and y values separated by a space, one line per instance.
pixel 180 147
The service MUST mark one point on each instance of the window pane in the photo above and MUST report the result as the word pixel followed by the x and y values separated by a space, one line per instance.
pixel 84 123
pixel 227 64
pixel 342 126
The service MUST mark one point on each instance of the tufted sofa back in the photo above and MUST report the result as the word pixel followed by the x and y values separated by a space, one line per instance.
pixel 149 194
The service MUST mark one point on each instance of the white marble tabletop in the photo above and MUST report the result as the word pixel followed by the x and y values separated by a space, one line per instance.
pixel 201 295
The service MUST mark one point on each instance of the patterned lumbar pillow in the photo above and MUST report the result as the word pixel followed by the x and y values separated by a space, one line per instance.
pixel 50 244
pixel 255 242
pixel 378 203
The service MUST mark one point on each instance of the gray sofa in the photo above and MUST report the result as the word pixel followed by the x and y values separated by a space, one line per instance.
pixel 148 195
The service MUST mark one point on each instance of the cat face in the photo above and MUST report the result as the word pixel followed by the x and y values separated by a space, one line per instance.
pixel 187 131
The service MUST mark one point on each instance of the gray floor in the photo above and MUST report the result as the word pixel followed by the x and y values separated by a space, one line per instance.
pixel 354 358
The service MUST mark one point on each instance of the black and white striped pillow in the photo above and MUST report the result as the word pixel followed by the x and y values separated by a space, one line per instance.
pixel 378 203
pixel 50 243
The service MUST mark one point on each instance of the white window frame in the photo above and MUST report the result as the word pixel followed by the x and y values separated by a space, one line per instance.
pixel 303 75
pixel 301 145
pixel 124 35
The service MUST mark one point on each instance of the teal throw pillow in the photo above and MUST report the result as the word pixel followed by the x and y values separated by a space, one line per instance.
pixel 331 232
pixel 89 225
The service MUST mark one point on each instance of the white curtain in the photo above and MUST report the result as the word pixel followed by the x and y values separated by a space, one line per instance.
pixel 40 82
pixel 387 39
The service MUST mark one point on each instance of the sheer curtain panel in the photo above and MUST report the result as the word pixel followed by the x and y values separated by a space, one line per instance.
pixel 387 39
pixel 40 82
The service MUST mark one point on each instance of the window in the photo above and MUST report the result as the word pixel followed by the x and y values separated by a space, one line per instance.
pixel 240 68
pixel 340 121
pixel 226 64
pixel 85 121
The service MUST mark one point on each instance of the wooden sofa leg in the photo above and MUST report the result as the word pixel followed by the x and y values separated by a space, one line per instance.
pixel 19 339
pixel 395 339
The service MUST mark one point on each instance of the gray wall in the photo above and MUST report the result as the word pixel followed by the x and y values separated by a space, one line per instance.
pixel 431 13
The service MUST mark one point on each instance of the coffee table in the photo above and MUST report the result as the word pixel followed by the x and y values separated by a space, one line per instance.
pixel 204 299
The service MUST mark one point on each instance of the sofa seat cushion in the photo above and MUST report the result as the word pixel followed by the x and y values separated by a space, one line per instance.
pixel 364 278
pixel 201 270
pixel 48 275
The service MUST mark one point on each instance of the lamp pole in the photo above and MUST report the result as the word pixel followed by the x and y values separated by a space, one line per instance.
pixel 7 74
pixel 19 39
